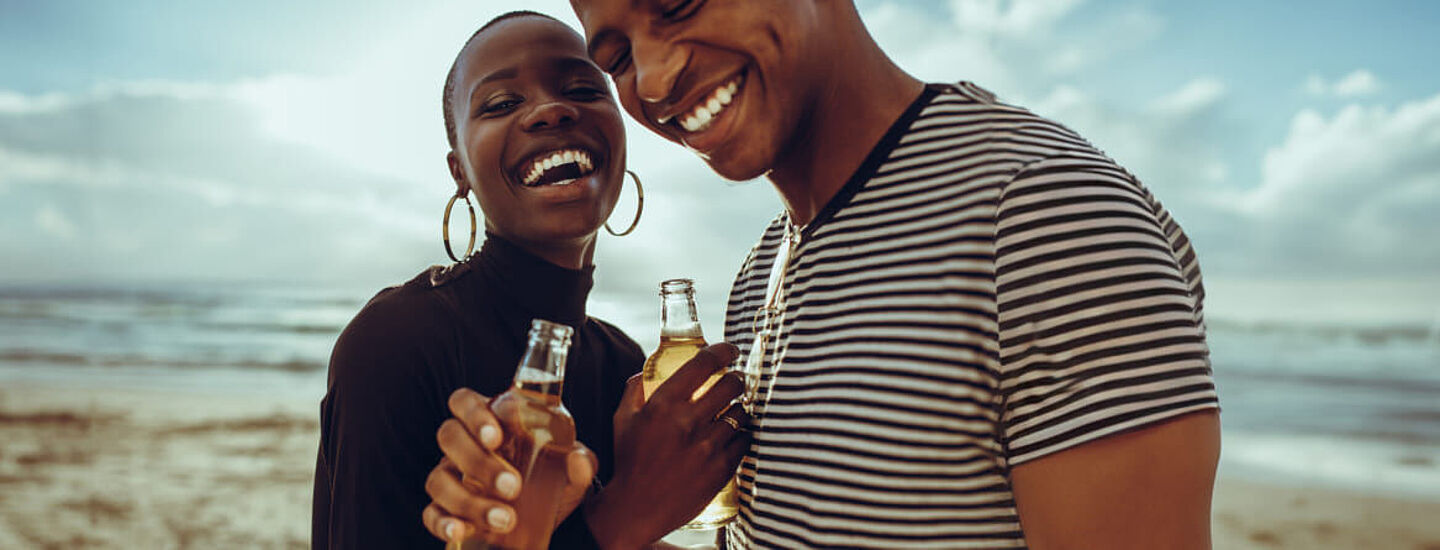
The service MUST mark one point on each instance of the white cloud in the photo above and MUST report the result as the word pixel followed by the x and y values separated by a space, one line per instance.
pixel 1010 18
pixel 1014 47
pixel 50 220
pixel 1196 95
pixel 1360 187
pixel 1358 83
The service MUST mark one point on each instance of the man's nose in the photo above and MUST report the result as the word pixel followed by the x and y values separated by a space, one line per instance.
pixel 657 67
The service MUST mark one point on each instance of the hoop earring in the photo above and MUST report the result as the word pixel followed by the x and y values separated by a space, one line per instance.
pixel 445 226
pixel 639 208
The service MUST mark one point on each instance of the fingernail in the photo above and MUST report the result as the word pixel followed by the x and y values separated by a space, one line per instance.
pixel 507 484
pixel 500 518
pixel 448 527
pixel 490 436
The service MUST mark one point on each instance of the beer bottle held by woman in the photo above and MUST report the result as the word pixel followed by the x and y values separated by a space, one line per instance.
pixel 680 339
pixel 539 434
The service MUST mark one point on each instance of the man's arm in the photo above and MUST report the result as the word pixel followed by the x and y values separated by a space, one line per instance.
pixel 1110 419
pixel 1149 488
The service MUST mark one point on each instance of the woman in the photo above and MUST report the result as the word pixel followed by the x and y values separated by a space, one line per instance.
pixel 537 137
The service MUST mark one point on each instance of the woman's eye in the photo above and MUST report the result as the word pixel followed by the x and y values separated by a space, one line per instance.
pixel 586 92
pixel 499 106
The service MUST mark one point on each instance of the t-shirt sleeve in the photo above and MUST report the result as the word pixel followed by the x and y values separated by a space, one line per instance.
pixel 1100 330
pixel 378 423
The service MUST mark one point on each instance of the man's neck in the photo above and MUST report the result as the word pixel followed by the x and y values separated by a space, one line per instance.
pixel 864 94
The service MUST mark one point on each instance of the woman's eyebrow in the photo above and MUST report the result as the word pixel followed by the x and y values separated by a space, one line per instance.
pixel 502 74
pixel 507 73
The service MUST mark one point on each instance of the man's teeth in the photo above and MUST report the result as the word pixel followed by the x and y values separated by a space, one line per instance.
pixel 540 165
pixel 709 109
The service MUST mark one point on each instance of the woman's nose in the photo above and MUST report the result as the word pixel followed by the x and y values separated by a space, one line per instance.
pixel 553 114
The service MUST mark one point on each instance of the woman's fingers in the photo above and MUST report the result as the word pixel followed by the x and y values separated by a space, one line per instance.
pixel 482 468
pixel 458 500
pixel 581 466
pixel 444 526
pixel 473 410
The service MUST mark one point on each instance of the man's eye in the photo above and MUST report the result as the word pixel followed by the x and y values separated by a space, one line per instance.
pixel 621 62
pixel 676 11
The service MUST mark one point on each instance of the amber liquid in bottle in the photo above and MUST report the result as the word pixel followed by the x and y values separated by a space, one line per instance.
pixel 680 339
pixel 539 435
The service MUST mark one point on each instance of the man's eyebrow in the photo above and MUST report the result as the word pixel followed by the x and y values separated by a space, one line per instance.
pixel 594 42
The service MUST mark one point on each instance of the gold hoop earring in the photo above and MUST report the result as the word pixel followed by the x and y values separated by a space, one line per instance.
pixel 445 226
pixel 639 208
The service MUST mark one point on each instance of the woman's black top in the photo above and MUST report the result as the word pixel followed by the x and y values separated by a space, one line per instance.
pixel 395 365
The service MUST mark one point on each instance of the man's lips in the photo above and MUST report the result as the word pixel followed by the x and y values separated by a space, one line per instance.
pixel 703 111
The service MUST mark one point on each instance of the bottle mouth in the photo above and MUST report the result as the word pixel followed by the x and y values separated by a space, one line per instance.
pixel 677 286
pixel 553 331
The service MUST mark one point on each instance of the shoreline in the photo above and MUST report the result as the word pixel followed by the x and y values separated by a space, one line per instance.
pixel 176 467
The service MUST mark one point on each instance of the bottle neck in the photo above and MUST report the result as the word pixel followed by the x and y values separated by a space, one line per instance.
pixel 678 318
pixel 542 368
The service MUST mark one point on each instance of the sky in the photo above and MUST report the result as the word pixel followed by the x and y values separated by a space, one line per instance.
pixel 1298 143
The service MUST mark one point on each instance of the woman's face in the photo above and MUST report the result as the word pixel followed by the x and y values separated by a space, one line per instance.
pixel 539 138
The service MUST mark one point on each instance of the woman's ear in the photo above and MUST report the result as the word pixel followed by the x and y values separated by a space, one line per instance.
pixel 457 172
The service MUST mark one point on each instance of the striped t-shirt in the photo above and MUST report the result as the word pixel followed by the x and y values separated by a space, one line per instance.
pixel 987 289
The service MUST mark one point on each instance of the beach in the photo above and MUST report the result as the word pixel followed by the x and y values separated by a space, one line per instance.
pixel 189 468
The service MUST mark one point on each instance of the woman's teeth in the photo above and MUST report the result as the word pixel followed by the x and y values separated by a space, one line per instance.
pixel 562 167
pixel 710 108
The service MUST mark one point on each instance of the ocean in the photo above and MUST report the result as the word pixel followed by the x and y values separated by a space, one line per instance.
pixel 1353 404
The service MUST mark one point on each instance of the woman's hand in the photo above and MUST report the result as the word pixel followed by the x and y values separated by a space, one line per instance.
pixel 482 502
pixel 671 454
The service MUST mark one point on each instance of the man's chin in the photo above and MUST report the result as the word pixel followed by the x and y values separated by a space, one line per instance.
pixel 739 167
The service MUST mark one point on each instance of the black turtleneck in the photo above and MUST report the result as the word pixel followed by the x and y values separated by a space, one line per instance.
pixel 396 363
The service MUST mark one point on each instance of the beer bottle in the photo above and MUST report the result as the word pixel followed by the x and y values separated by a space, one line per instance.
pixel 539 435
pixel 680 339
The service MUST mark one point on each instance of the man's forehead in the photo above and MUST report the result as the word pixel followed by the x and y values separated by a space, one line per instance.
pixel 593 9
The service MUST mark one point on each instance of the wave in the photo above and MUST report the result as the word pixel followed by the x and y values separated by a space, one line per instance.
pixel 26 356
pixel 1374 334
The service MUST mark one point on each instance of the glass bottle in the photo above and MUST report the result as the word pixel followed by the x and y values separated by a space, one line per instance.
pixel 680 339
pixel 539 435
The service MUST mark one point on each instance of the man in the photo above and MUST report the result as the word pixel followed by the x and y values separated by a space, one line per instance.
pixel 969 328
pixel 986 334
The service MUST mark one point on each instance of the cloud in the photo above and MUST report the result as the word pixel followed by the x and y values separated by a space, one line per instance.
pixel 178 182
pixel 1009 18
pixel 1358 83
pixel 1356 191
pixel 49 220
pixel 1014 47
pixel 1196 95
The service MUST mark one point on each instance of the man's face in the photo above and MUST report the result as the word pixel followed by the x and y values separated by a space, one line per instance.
pixel 730 79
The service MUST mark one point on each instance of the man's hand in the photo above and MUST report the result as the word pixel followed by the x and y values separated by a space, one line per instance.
pixel 671 454
pixel 481 503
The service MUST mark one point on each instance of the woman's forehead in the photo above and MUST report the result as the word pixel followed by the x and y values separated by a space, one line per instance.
pixel 512 35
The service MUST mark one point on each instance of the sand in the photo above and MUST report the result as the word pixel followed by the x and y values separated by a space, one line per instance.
pixel 170 469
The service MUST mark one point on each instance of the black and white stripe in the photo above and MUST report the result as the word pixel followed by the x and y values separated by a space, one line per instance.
pixel 987 290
